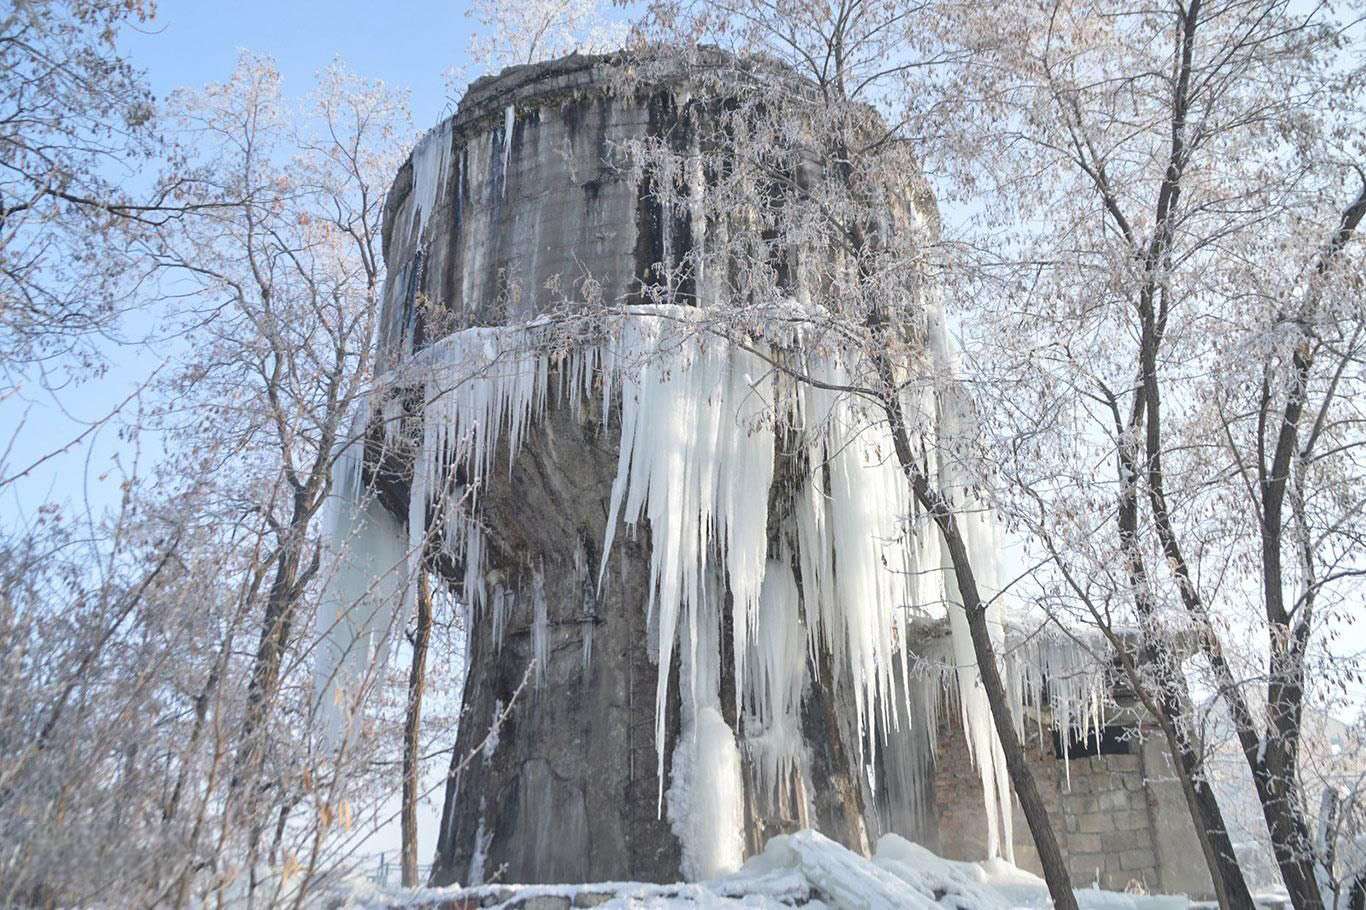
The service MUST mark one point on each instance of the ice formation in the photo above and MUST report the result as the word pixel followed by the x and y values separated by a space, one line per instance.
pixel 1063 675
pixel 509 121
pixel 706 788
pixel 490 746
pixel 706 796
pixel 431 158
pixel 366 578
pixel 842 565
pixel 773 700
pixel 482 839
pixel 696 461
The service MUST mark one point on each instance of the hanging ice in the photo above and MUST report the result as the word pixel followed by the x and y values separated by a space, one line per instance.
pixel 841 566
pixel 364 580
pixel 706 789
pixel 430 162
pixel 509 121
pixel 772 697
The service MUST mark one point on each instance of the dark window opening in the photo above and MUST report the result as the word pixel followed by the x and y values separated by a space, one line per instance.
pixel 1111 740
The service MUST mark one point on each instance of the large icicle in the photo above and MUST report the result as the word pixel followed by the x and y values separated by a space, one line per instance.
pixel 363 587
pixel 696 461
pixel 509 122
pixel 859 558
pixel 706 791
pixel 431 161
pixel 772 696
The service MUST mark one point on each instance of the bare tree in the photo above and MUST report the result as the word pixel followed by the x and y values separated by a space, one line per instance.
pixel 505 36
pixel 294 276
pixel 1174 194
pixel 417 681
pixel 72 111
pixel 272 278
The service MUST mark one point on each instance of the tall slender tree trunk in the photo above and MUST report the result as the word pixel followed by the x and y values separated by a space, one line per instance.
pixel 276 626
pixel 1283 810
pixel 412 726
pixel 1021 778
pixel 1171 701
pixel 291 576
pixel 1172 707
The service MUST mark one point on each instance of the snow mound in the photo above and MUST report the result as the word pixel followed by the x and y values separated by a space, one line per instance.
pixel 805 869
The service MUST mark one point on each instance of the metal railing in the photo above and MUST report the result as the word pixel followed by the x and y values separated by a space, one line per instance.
pixel 386 869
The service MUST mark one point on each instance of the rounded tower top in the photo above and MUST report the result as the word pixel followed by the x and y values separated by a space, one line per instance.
pixel 529 198
pixel 524 188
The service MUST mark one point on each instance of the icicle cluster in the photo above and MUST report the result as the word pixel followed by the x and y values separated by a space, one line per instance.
pixel 471 176
pixel 1061 678
pixel 431 164
pixel 773 699
pixel 700 418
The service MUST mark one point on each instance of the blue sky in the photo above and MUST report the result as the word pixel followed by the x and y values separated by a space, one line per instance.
pixel 409 44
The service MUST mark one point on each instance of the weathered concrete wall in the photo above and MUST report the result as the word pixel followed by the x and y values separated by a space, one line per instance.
pixel 1120 819
pixel 534 201
pixel 566 791
pixel 531 197
pixel 546 203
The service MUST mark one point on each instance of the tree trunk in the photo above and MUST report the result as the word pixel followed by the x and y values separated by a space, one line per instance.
pixel 1021 778
pixel 1225 871
pixel 1290 838
pixel 1172 704
pixel 265 678
pixel 265 669
pixel 412 725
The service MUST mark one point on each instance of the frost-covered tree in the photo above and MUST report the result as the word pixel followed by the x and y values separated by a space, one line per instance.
pixel 1166 276
pixel 160 717
pixel 506 35
pixel 1121 183
pixel 75 120
pixel 286 282
pixel 86 645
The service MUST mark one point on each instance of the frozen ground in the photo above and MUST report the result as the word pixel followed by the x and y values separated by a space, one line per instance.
pixel 799 870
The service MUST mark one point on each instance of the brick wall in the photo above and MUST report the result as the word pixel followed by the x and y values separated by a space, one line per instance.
pixel 1100 807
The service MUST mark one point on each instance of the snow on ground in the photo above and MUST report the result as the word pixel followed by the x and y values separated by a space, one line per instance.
pixel 805 869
